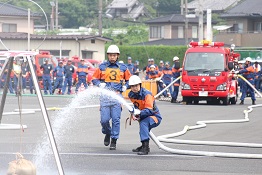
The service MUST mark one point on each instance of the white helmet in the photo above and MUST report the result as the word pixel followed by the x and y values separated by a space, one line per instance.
pixel 113 49
pixel 153 66
pixel 175 58
pixel 134 80
pixel 249 59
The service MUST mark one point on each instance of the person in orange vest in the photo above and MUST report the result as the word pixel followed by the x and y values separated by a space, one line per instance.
pixel 176 73
pixel 257 68
pixel 145 111
pixel 248 74
pixel 114 76
pixel 157 75
pixel 82 72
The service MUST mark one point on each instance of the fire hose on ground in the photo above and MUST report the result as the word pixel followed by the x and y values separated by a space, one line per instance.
pixel 200 124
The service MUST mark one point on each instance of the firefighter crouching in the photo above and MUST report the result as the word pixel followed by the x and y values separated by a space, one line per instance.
pixel 145 111
pixel 111 75
pixel 248 73
pixel 82 72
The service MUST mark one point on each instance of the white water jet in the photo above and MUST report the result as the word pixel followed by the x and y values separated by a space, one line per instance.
pixel 63 122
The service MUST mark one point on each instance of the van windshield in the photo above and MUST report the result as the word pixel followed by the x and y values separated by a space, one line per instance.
pixel 204 61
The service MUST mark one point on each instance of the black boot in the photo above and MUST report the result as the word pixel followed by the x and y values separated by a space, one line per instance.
pixel 113 144
pixel 253 102
pixel 173 100
pixel 136 150
pixel 145 148
pixel 241 102
pixel 107 139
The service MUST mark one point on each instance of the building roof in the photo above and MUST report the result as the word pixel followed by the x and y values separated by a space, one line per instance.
pixel 251 8
pixel 16 35
pixel 168 42
pixel 215 5
pixel 174 18
pixel 11 10
pixel 122 3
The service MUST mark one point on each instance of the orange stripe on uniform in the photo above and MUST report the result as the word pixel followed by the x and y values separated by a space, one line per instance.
pixel 97 74
pixel 149 100
pixel 154 118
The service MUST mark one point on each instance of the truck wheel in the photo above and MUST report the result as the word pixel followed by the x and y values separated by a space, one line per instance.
pixel 225 100
pixel 233 101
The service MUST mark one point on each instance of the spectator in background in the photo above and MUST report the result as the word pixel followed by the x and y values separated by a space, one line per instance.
pixel 167 78
pixel 161 65
pixel 58 75
pixel 68 72
pixel 82 72
pixel 47 70
pixel 136 68
pixel 130 65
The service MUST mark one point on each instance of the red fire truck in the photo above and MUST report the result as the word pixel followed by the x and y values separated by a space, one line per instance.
pixel 207 75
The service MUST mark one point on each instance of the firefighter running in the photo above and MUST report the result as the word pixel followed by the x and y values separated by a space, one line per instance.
pixel 111 75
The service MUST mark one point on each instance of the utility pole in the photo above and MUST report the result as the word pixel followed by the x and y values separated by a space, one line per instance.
pixel 100 8
pixel 200 21
pixel 186 24
pixel 56 14
pixel 182 7
pixel 52 24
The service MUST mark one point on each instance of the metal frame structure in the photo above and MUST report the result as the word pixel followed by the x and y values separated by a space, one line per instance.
pixel 27 55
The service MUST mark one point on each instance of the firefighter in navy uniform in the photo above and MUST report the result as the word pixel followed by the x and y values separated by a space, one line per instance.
pixel 47 70
pixel 130 65
pixel 114 76
pixel 176 73
pixel 248 74
pixel 58 73
pixel 68 72
pixel 145 111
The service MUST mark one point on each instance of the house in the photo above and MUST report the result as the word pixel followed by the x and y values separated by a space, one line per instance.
pixel 170 30
pixel 15 19
pixel 244 23
pixel 125 9
pixel 217 6
pixel 14 36
pixel 84 46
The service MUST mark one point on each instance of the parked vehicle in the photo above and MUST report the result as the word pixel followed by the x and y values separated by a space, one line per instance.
pixel 206 74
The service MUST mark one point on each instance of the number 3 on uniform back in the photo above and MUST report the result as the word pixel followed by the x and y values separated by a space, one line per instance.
pixel 112 75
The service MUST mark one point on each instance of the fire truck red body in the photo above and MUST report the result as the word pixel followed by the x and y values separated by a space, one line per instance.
pixel 206 74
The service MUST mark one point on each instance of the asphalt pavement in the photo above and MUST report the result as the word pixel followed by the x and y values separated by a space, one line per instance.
pixel 80 141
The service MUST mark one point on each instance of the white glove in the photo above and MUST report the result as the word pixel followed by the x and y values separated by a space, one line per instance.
pixel 124 88
pixel 236 72
pixel 54 78
pixel 135 111
pixel 102 85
